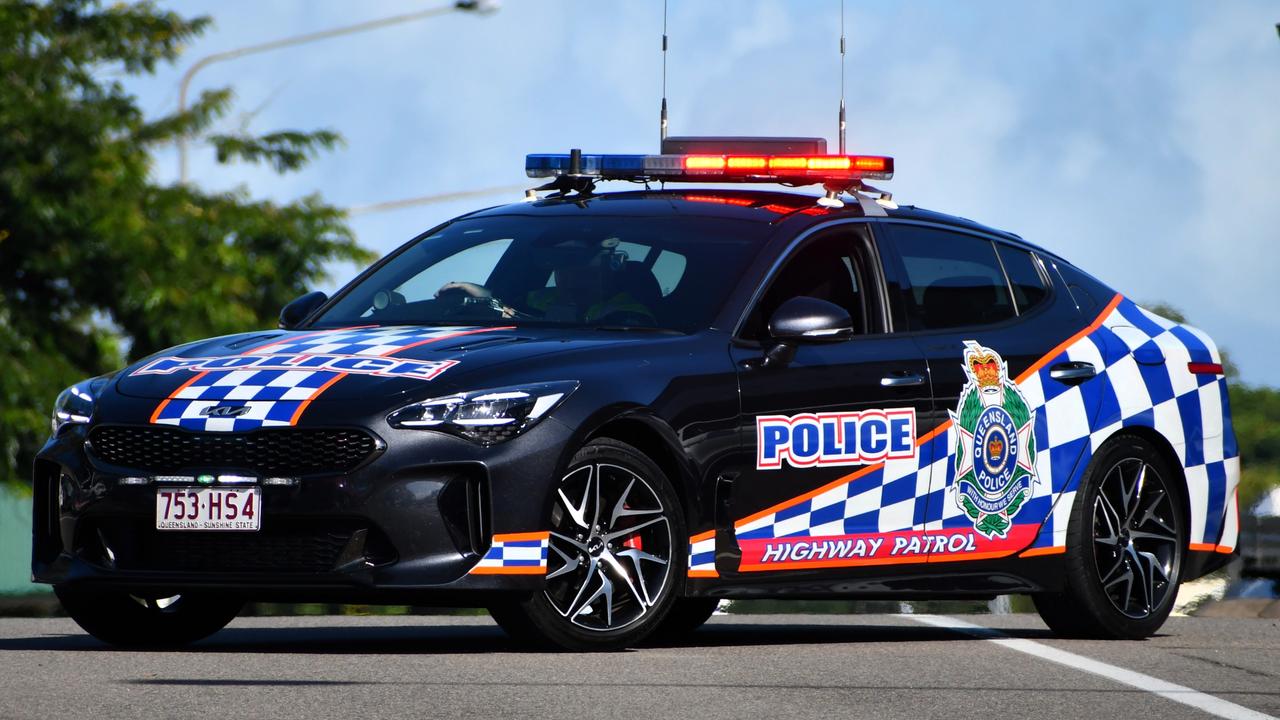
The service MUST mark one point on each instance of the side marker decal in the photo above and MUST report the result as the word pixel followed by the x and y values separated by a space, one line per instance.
pixel 515 554
pixel 702 555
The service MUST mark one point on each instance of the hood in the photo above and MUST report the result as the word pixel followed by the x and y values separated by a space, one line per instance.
pixel 341 364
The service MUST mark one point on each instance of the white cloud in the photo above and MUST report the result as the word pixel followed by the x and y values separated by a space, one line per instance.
pixel 1227 87
pixel 1137 140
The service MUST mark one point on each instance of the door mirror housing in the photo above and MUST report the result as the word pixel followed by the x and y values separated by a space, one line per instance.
pixel 802 320
pixel 295 312
pixel 810 320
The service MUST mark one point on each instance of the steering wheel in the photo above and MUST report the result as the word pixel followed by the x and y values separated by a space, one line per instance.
pixel 456 301
pixel 453 296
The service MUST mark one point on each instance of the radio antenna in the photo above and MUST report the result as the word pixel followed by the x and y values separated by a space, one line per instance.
pixel 662 120
pixel 842 121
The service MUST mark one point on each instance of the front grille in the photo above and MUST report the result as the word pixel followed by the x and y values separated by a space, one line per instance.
pixel 273 452
pixel 282 546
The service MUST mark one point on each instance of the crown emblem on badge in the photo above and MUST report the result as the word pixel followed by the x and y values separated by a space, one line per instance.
pixel 984 366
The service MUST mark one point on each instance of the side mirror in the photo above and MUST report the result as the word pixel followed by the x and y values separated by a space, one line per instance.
pixel 809 320
pixel 804 320
pixel 298 310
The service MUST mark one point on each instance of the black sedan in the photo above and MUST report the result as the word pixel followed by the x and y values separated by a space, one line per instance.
pixel 599 414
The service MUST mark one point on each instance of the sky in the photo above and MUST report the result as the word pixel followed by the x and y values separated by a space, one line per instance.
pixel 1138 139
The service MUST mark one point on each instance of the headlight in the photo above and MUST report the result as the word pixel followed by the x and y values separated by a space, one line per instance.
pixel 75 404
pixel 485 416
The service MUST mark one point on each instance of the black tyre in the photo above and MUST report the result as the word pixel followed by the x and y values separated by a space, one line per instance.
pixel 686 615
pixel 1126 542
pixel 119 618
pixel 615 559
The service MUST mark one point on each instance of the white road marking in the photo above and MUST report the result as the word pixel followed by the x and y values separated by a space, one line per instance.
pixel 1178 693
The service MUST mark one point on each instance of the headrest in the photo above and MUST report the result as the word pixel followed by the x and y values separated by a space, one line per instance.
pixel 956 301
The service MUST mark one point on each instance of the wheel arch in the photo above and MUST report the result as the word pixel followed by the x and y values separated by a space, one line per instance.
pixel 656 439
pixel 1170 456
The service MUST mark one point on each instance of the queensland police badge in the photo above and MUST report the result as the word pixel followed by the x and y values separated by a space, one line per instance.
pixel 995 446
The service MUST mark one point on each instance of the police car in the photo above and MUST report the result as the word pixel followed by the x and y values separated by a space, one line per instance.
pixel 598 414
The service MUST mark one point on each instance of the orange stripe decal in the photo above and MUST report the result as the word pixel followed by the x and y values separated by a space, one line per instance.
pixel 1202 547
pixel 155 415
pixel 811 494
pixel 303 405
pixel 1038 552
pixel 298 413
pixel 932 433
pixel 1062 346
pixel 521 537
pixel 939 558
pixel 702 536
pixel 451 336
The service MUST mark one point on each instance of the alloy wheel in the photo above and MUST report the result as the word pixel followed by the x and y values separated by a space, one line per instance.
pixel 1136 539
pixel 158 605
pixel 610 546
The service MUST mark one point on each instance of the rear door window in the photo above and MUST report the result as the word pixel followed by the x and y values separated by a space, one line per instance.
pixel 955 279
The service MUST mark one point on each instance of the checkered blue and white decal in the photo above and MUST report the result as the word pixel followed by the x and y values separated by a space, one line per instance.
pixel 271 385
pixel 913 510
pixel 702 555
pixel 515 554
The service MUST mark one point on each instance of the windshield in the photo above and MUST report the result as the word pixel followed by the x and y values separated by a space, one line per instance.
pixel 608 271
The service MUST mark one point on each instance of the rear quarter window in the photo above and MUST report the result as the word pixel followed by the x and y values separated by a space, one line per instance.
pixel 1088 292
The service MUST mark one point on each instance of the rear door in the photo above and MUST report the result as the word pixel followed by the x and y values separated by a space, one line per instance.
pixel 987 316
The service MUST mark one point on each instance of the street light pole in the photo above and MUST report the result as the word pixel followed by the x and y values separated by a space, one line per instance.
pixel 431 199
pixel 477 6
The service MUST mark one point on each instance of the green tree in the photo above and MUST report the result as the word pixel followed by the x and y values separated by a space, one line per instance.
pixel 1255 415
pixel 100 264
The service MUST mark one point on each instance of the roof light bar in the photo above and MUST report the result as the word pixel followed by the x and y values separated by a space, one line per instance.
pixel 797 169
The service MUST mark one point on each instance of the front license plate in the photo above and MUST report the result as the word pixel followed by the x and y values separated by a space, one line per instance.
pixel 183 508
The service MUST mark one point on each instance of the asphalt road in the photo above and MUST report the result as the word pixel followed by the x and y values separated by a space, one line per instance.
pixel 792 666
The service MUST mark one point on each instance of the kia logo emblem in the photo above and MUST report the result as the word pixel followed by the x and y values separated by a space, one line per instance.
pixel 225 411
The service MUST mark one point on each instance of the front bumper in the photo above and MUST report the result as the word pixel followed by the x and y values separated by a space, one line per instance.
pixel 408 525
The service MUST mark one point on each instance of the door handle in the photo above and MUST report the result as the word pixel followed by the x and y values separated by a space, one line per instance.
pixel 1072 373
pixel 902 379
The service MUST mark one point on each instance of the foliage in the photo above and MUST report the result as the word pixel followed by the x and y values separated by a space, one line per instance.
pixel 1255 414
pixel 99 264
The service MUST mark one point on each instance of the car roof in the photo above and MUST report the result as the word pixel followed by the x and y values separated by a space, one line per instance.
pixel 763 206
